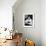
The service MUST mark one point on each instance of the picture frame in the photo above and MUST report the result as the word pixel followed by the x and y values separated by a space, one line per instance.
pixel 28 20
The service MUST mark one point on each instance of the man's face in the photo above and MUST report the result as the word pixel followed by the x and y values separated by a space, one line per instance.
pixel 29 18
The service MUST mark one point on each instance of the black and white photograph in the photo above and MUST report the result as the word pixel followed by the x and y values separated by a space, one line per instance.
pixel 28 20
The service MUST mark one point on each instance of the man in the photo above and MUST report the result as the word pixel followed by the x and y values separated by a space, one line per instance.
pixel 29 20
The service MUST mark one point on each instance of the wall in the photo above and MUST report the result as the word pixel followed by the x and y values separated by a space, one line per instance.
pixel 6 13
pixel 29 6
pixel 43 22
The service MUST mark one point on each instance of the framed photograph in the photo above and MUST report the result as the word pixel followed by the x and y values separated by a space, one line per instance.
pixel 28 20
